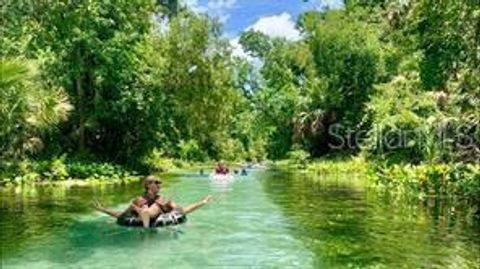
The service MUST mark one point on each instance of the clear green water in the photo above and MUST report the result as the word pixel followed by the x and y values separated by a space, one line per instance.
pixel 265 220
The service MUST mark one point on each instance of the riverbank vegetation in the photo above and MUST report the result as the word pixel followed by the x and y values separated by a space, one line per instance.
pixel 107 88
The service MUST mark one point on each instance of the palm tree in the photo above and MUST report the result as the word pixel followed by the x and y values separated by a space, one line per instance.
pixel 27 109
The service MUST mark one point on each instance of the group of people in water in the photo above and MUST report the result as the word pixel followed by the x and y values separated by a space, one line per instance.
pixel 154 210
pixel 222 169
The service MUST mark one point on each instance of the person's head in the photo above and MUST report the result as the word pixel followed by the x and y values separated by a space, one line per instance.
pixel 152 184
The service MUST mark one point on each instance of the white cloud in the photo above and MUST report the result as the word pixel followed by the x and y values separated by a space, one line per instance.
pixel 237 49
pixel 221 9
pixel 221 4
pixel 280 25
pixel 215 8
pixel 277 26
pixel 190 3
pixel 194 5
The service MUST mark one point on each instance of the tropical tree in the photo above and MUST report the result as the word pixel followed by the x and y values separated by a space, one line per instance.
pixel 197 79
pixel 90 48
pixel 28 109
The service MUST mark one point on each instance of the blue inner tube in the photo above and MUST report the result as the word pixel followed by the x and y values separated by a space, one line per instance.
pixel 174 217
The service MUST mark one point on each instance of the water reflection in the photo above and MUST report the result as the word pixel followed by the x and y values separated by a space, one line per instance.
pixel 265 220
pixel 32 214
pixel 349 226
pixel 221 185
pixel 225 234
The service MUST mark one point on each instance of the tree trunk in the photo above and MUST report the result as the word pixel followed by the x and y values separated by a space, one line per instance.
pixel 80 104
pixel 81 112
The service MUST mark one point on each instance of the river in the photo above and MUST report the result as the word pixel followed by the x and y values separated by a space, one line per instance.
pixel 268 219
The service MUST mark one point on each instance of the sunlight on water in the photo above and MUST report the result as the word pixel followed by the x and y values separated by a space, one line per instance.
pixel 241 228
pixel 265 220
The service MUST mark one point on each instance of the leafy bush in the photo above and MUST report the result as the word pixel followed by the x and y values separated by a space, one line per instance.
pixel 58 169
pixel 257 150
pixel 435 179
pixel 96 170
pixel 298 157
pixel 231 150
pixel 157 162
pixel 355 165
pixel 403 121
pixel 61 169
pixel 27 109
pixel 191 151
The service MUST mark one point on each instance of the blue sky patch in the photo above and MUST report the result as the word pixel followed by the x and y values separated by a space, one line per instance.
pixel 238 15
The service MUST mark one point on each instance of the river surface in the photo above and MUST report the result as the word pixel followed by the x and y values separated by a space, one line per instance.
pixel 267 219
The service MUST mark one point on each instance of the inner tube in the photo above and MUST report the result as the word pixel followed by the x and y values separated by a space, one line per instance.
pixel 174 217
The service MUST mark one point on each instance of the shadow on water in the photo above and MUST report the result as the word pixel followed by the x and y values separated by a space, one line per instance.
pixel 349 226
pixel 105 235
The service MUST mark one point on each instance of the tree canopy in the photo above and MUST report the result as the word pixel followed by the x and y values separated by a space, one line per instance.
pixel 122 80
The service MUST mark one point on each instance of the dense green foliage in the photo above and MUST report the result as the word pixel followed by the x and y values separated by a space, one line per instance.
pixel 27 109
pixel 60 168
pixel 137 84
pixel 431 179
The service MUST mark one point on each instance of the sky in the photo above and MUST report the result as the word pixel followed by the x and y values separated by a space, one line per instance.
pixel 272 17
pixel 275 18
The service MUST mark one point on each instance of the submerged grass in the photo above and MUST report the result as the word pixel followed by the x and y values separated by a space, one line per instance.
pixel 354 165
pixel 442 180
pixel 338 165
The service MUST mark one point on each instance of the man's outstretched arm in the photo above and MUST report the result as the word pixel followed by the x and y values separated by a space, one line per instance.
pixel 192 207
pixel 99 207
